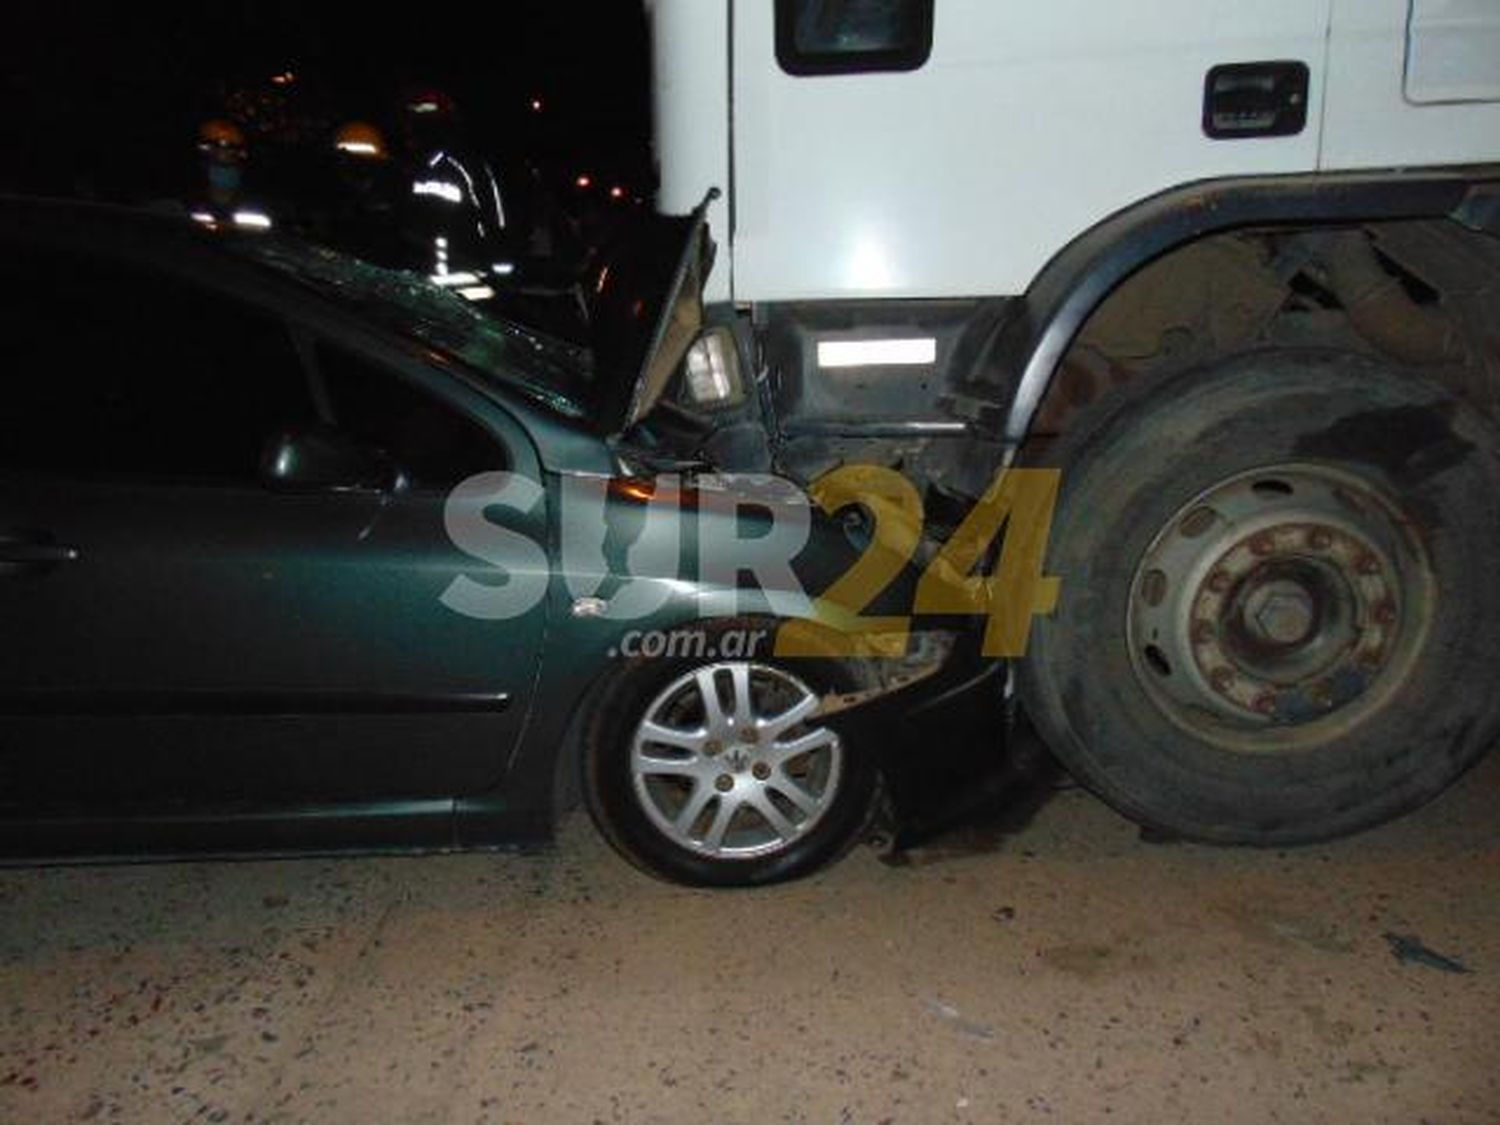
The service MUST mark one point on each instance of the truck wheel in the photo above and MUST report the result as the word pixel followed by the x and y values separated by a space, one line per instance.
pixel 1279 620
pixel 719 772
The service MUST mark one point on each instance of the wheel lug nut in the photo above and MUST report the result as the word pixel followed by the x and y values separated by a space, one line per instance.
pixel 712 747
pixel 1367 564
pixel 1385 614
pixel 1218 581
pixel 1262 544
pixel 761 771
pixel 1203 633
pixel 1319 540
pixel 1222 680
pixel 724 783
pixel 1265 703
pixel 750 736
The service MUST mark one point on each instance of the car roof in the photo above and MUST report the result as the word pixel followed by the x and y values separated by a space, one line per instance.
pixel 55 214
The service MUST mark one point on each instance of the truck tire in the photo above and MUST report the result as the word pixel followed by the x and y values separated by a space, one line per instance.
pixel 1279 619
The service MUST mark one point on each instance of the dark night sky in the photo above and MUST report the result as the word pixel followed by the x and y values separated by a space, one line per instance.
pixel 106 100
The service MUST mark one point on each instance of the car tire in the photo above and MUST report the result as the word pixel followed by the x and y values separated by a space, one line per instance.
pixel 1279 620
pixel 743 797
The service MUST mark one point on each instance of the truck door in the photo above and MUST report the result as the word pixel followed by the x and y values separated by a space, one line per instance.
pixel 949 148
pixel 1412 83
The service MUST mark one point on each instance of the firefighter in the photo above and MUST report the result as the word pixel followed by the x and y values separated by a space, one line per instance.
pixel 364 214
pixel 453 216
pixel 223 157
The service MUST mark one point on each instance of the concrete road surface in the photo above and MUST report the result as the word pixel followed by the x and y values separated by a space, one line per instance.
pixel 1066 972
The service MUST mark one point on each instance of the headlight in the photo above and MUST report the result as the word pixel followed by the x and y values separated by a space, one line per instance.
pixel 713 370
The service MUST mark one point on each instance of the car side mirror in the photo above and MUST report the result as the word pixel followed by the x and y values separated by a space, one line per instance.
pixel 326 459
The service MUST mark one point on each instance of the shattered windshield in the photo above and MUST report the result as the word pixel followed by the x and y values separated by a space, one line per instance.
pixel 544 368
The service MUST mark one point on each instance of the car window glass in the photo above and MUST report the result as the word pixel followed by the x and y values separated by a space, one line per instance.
pixel 115 370
pixel 432 442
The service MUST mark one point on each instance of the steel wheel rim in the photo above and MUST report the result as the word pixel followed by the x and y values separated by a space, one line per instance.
pixel 727 763
pixel 1279 608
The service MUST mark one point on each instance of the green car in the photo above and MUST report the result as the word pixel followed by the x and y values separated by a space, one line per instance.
pixel 298 555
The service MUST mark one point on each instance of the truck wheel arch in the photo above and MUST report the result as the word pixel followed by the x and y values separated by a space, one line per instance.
pixel 1027 349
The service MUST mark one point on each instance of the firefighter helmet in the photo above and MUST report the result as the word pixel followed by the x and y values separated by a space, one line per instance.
pixel 361 139
pixel 221 138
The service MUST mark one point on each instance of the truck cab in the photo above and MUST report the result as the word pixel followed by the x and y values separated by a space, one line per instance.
pixel 1232 272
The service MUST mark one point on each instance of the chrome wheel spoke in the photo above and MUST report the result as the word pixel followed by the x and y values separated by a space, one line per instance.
pixel 804 708
pixel 708 689
pixel 655 765
pixel 743 707
pixel 784 752
pixel 787 787
pixel 671 736
pixel 723 815
pixel 692 808
pixel 773 816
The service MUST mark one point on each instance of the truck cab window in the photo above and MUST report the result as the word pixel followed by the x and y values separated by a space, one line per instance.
pixel 852 36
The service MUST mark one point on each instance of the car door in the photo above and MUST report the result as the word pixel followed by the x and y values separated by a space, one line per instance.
pixel 177 631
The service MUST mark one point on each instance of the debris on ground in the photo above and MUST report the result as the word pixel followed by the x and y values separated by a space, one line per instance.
pixel 955 1018
pixel 1409 950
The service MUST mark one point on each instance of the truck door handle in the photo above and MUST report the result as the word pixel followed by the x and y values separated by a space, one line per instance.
pixel 1255 99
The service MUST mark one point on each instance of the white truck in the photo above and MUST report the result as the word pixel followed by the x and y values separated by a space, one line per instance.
pixel 1233 268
